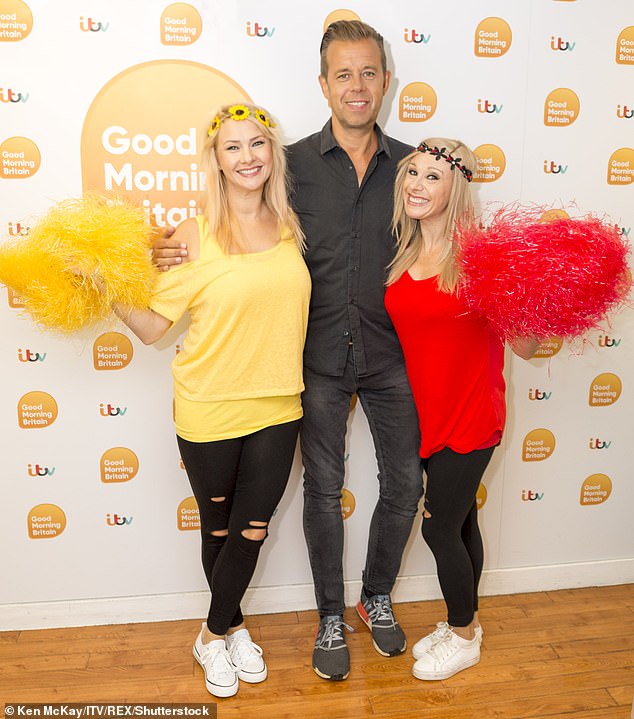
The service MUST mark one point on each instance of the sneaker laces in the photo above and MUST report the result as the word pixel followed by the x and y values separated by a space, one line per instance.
pixel 381 610
pixel 445 647
pixel 331 632
pixel 442 628
pixel 218 659
pixel 243 649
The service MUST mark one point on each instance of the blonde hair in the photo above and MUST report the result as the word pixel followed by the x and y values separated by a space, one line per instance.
pixel 215 203
pixel 409 237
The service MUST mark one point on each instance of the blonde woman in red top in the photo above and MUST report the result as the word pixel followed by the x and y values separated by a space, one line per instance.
pixel 455 365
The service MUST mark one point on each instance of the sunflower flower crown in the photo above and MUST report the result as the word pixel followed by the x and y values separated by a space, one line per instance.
pixel 239 112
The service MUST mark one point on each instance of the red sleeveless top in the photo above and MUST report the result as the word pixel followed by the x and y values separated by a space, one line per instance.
pixel 454 363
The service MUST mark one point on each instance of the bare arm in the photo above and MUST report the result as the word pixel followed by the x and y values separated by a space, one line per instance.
pixel 147 325
pixel 524 347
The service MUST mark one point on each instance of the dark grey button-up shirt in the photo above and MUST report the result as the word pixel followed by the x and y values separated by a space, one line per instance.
pixel 349 243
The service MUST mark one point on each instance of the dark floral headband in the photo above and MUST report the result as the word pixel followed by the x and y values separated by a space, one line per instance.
pixel 453 161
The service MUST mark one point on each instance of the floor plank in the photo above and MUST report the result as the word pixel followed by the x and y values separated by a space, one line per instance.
pixel 546 655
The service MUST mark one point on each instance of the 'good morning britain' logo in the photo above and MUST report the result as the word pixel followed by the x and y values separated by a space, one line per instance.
pixel 19 158
pixel 625 46
pixel 621 167
pixel 118 464
pixel 139 146
pixel 605 389
pixel 492 38
pixel 181 24
pixel 46 521
pixel 417 102
pixel 538 445
pixel 112 351
pixel 595 489
pixel 36 410
pixel 491 163
pixel 16 20
pixel 561 107
pixel 549 347
pixel 188 515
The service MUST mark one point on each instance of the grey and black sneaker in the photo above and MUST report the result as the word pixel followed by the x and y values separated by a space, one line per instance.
pixel 387 636
pixel 331 659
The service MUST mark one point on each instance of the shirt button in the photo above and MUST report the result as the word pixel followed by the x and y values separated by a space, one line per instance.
pixel 346 333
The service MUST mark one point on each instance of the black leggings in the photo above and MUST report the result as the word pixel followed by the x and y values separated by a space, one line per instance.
pixel 237 483
pixel 452 531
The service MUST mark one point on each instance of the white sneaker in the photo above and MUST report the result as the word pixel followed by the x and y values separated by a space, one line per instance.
pixel 246 657
pixel 447 657
pixel 221 677
pixel 427 642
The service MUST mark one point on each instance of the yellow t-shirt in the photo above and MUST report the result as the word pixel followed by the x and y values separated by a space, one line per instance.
pixel 240 368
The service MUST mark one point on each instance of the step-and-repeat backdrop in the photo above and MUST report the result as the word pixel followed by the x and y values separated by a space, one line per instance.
pixel 112 96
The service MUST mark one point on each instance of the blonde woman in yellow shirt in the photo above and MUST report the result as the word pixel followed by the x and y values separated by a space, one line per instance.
pixel 238 378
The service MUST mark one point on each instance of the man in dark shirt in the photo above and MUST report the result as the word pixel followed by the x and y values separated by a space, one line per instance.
pixel 343 181
pixel 342 191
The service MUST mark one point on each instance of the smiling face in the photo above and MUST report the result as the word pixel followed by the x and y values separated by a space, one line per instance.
pixel 244 155
pixel 355 83
pixel 427 187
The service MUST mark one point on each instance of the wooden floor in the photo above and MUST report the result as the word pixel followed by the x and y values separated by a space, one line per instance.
pixel 562 655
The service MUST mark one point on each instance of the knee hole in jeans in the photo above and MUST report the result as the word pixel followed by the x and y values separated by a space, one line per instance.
pixel 217 499
pixel 254 534
pixel 219 532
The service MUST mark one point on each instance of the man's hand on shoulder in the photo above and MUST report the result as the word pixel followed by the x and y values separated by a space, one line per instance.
pixel 168 251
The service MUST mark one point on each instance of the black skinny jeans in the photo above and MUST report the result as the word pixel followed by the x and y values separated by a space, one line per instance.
pixel 452 531
pixel 236 482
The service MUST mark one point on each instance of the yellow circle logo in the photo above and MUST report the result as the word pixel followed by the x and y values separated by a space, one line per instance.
pixel 187 515
pixel 348 503
pixel 539 444
pixel 340 15
pixel 625 46
pixel 141 147
pixel 112 351
pixel 548 348
pixel 550 215
pixel 46 521
pixel 181 24
pixel 491 163
pixel 561 107
pixel 16 301
pixel 621 167
pixel 481 496
pixel 19 158
pixel 417 102
pixel 492 37
pixel 16 20
pixel 118 464
pixel 605 389
pixel 595 489
pixel 36 410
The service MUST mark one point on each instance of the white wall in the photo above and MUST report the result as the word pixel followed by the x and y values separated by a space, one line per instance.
pixel 71 71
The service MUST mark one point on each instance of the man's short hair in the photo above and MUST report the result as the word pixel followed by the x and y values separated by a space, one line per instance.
pixel 350 31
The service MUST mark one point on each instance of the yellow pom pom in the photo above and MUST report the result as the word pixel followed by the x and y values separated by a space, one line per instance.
pixel 82 256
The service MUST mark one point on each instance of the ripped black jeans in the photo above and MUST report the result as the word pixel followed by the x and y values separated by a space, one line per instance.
pixel 237 483
pixel 452 531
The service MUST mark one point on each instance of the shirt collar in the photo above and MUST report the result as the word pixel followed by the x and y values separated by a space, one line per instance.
pixel 328 141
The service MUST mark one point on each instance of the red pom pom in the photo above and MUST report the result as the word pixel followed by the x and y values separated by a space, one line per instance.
pixel 531 277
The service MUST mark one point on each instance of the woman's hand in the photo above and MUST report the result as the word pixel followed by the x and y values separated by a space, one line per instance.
pixel 524 347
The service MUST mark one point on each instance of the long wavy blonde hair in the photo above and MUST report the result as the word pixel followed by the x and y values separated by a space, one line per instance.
pixel 276 189
pixel 407 231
